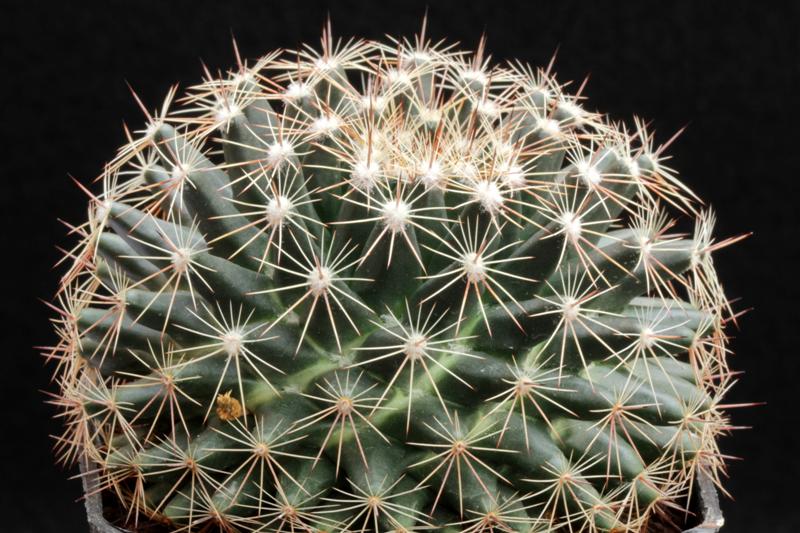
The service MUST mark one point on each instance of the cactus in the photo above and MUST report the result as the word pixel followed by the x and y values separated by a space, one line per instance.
pixel 391 287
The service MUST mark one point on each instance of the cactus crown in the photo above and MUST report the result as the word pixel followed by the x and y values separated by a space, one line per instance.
pixel 391 287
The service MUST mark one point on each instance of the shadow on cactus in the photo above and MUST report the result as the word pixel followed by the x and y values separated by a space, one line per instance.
pixel 391 287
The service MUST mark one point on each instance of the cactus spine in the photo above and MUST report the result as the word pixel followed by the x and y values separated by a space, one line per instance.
pixel 388 288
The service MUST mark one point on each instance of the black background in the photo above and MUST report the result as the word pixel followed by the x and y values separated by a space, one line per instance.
pixel 727 69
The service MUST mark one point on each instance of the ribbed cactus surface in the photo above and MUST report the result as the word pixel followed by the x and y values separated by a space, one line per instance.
pixel 391 287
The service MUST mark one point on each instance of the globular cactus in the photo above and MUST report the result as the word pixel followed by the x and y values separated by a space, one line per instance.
pixel 388 288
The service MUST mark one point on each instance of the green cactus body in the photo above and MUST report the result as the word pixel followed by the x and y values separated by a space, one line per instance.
pixel 391 288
